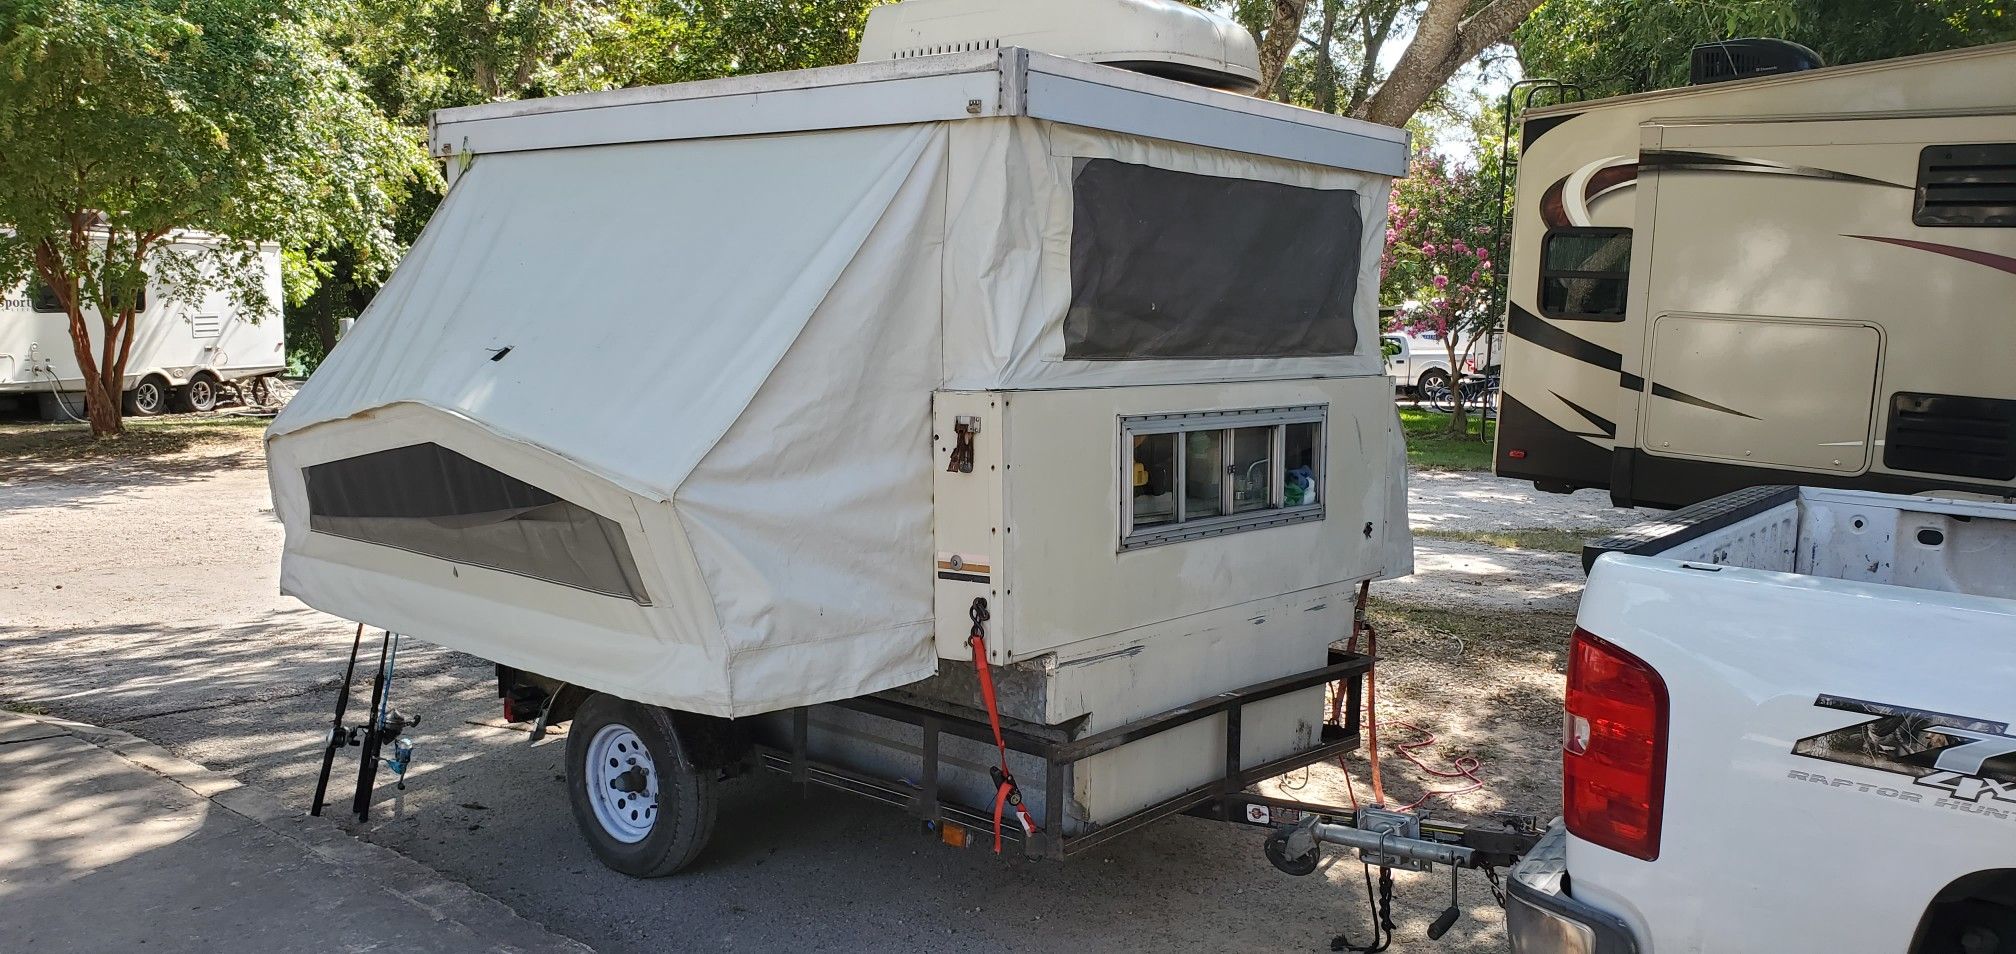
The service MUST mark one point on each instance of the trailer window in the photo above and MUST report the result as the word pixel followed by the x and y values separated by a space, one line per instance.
pixel 427 499
pixel 1210 473
pixel 1967 185
pixel 1584 274
pixel 1176 265
pixel 43 299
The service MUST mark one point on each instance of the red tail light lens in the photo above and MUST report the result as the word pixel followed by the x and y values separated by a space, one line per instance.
pixel 1613 761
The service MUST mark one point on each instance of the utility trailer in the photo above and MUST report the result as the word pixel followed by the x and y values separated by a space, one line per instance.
pixel 997 434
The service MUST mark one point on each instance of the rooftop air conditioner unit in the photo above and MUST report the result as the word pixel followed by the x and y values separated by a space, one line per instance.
pixel 1726 60
pixel 1161 37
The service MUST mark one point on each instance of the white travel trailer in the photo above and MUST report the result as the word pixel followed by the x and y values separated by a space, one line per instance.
pixel 183 351
pixel 1804 278
pixel 724 415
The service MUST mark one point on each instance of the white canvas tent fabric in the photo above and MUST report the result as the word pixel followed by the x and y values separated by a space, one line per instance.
pixel 720 353
pixel 654 303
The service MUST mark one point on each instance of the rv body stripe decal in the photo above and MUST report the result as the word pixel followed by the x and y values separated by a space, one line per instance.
pixel 1660 390
pixel 1974 255
pixel 1524 325
pixel 1527 326
pixel 1609 430
pixel 1710 162
pixel 1566 202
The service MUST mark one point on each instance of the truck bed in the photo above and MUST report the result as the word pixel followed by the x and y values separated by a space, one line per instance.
pixel 1927 543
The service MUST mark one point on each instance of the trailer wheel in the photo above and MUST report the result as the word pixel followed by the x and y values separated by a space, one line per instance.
pixel 638 797
pixel 199 395
pixel 148 398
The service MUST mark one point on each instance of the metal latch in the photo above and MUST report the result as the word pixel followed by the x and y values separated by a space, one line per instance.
pixel 964 426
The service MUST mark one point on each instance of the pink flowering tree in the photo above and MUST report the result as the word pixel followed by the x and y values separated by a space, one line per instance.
pixel 1437 263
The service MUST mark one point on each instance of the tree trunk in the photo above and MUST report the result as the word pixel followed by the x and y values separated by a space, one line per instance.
pixel 1459 419
pixel 1284 30
pixel 1326 59
pixel 1444 40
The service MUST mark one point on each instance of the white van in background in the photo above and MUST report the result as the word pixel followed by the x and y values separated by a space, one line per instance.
pixel 183 352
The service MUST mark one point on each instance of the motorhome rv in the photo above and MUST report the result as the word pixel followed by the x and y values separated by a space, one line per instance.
pixel 1802 277
pixel 183 350
pixel 764 405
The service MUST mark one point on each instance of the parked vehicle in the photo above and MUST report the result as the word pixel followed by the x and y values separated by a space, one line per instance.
pixel 184 353
pixel 1761 280
pixel 908 481
pixel 1419 364
pixel 1788 729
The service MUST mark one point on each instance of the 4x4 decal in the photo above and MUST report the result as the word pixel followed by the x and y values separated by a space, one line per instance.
pixel 1968 759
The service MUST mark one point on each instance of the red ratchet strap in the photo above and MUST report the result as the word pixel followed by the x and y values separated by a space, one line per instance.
pixel 1006 792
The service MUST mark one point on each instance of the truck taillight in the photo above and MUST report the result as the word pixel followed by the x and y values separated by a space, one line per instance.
pixel 1613 761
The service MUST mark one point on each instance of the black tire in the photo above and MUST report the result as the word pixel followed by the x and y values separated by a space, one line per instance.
pixel 1431 380
pixel 148 398
pixel 686 800
pixel 199 396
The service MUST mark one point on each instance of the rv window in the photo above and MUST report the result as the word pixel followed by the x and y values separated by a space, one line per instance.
pixel 1175 265
pixel 43 298
pixel 1584 274
pixel 427 499
pixel 1211 473
pixel 1970 185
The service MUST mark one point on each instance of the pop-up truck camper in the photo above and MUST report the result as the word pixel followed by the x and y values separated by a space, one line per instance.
pixel 724 416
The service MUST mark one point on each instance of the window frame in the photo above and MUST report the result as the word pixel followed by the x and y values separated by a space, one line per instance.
pixel 35 300
pixel 1623 275
pixel 1180 527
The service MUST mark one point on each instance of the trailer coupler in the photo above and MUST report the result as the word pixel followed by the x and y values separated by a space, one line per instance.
pixel 1389 839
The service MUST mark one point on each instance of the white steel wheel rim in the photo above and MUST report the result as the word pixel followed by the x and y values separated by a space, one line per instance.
pixel 618 763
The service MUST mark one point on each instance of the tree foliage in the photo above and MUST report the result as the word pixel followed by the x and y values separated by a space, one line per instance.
pixel 126 124
pixel 1628 46
pixel 1325 54
pixel 1437 269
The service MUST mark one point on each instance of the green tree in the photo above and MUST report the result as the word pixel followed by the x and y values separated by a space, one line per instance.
pixel 126 125
pixel 1627 46
pixel 1340 41
pixel 1436 271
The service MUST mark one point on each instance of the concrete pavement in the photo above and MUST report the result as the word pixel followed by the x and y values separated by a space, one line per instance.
pixel 108 842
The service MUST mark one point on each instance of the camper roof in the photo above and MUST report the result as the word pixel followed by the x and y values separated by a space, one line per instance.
pixel 1992 94
pixel 953 86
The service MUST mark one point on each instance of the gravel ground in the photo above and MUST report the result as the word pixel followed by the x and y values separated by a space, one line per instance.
pixel 145 596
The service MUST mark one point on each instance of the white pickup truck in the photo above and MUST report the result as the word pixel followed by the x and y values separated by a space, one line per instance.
pixel 1788 729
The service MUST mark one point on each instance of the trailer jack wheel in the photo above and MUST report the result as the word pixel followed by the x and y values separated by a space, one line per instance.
pixel 638 797
pixel 1278 849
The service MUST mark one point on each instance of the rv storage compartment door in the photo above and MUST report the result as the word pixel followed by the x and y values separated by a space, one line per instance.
pixel 1763 391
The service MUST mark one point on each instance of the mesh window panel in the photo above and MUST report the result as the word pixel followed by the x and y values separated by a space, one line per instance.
pixel 1177 265
pixel 427 499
